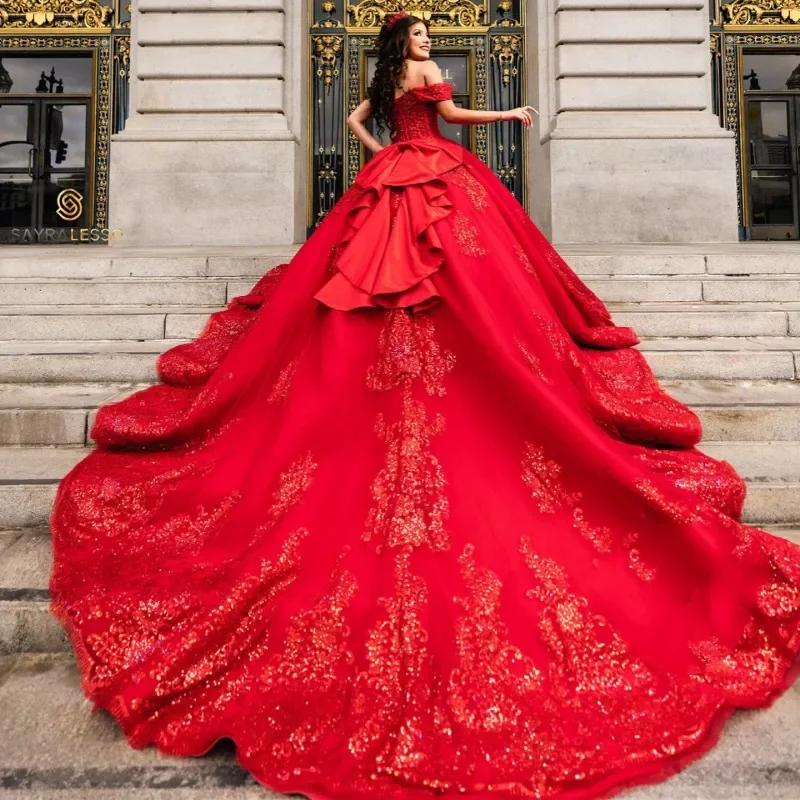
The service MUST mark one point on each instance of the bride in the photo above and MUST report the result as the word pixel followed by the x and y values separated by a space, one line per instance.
pixel 413 518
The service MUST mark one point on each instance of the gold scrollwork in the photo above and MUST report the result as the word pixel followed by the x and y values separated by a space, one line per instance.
pixel 506 50
pixel 439 13
pixel 327 50
pixel 761 12
pixel 54 14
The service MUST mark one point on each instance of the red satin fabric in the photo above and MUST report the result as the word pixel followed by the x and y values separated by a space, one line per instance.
pixel 413 519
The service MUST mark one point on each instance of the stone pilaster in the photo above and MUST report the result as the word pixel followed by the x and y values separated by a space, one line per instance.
pixel 628 147
pixel 212 152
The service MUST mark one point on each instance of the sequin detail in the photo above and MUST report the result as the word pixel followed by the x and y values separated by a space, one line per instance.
pixel 534 362
pixel 467 182
pixel 283 384
pixel 543 478
pixel 673 510
pixel 486 658
pixel 292 486
pixel 415 116
pixel 410 504
pixel 467 236
pixel 407 351
pixel 523 258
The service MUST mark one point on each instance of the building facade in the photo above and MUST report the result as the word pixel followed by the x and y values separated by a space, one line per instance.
pixel 222 122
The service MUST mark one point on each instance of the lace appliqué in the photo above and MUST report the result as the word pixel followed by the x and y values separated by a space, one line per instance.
pixel 467 235
pixel 408 351
pixel 543 478
pixel 467 182
pixel 411 506
pixel 283 384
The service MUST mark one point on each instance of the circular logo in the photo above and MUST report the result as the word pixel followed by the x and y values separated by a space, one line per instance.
pixel 69 204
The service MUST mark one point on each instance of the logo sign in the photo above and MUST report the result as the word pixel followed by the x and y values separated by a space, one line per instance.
pixel 69 204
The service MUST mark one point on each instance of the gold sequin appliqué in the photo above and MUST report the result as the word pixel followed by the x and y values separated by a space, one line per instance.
pixel 467 235
pixel 508 679
pixel 410 504
pixel 682 513
pixel 283 383
pixel 475 190
pixel 543 478
pixel 534 362
pixel 394 690
pixel 523 258
pixel 315 670
pixel 408 351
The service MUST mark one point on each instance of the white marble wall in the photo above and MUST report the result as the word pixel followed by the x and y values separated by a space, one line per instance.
pixel 628 149
pixel 213 150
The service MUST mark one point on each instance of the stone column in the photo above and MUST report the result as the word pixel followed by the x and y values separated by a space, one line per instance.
pixel 628 148
pixel 212 152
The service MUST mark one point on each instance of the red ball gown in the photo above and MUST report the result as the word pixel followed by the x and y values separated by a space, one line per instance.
pixel 414 519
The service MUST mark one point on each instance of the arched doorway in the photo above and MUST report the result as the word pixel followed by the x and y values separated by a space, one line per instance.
pixel 480 47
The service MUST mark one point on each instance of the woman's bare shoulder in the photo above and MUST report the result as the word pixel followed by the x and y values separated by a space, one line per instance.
pixel 432 72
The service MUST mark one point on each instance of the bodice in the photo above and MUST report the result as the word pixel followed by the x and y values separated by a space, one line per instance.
pixel 414 115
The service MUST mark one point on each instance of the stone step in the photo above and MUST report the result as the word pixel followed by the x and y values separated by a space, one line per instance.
pixel 53 414
pixel 719 288
pixel 59 414
pixel 750 258
pixel 62 413
pixel 26 559
pixel 101 322
pixel 116 291
pixel 678 320
pixel 125 361
pixel 57 749
pixel 29 476
pixel 682 289
pixel 107 262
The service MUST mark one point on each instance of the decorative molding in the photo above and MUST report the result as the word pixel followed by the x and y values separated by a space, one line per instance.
pixel 438 13
pixel 327 49
pixel 506 51
pixel 761 12
pixel 58 14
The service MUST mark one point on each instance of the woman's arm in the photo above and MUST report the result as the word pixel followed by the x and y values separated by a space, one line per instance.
pixel 450 112
pixel 356 122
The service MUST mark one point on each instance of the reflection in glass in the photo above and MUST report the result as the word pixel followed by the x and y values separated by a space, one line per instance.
pixel 25 73
pixel 771 71
pixel 16 125
pixel 771 196
pixel 67 123
pixel 768 132
pixel 16 200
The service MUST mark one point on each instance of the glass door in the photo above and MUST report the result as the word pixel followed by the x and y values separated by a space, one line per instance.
pixel 18 155
pixel 772 126
pixel 43 168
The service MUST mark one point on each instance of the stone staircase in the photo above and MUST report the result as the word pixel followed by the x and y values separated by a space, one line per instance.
pixel 720 326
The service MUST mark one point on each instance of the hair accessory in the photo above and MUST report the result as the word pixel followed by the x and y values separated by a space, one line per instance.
pixel 394 19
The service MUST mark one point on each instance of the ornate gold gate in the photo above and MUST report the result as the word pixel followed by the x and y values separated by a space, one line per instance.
pixel 63 92
pixel 478 44
pixel 755 52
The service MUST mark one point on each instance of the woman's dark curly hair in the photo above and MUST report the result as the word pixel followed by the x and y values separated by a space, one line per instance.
pixel 392 44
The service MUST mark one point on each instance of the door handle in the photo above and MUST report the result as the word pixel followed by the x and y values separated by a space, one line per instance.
pixel 31 159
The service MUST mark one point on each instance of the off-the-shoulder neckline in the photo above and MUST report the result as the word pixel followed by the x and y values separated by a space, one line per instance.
pixel 419 88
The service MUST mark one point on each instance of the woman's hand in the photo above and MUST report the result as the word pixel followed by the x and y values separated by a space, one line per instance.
pixel 523 114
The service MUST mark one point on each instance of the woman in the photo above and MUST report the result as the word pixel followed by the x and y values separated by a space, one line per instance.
pixel 413 518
